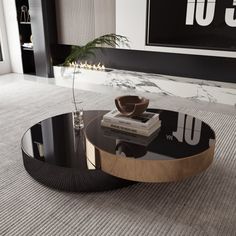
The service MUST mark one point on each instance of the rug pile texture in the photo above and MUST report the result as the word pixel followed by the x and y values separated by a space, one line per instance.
pixel 201 205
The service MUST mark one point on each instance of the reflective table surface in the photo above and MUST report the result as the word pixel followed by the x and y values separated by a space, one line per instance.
pixel 97 158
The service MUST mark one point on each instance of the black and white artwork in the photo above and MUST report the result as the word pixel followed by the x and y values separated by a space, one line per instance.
pixel 203 24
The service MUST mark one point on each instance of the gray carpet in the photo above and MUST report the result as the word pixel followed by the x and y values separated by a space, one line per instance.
pixel 201 205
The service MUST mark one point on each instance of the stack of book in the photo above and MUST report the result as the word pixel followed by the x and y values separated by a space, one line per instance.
pixel 145 124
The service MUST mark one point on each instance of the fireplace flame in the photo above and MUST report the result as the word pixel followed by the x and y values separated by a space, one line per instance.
pixel 98 67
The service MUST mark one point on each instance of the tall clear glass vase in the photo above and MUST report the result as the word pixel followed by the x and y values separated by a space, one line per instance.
pixel 78 114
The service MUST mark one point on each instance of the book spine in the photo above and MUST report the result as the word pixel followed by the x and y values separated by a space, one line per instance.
pixel 131 123
pixel 120 122
pixel 129 129
pixel 141 129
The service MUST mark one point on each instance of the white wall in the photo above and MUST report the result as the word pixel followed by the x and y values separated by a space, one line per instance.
pixel 5 65
pixel 13 35
pixel 131 22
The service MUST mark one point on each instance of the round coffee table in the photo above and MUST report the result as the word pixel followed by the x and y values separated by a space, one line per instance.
pixel 97 158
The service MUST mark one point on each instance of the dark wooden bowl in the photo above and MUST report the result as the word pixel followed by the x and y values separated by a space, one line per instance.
pixel 131 105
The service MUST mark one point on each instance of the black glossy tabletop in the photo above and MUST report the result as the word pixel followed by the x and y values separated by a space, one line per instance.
pixel 53 149
pixel 180 136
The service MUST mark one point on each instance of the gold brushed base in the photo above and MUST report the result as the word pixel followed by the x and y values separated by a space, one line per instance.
pixel 154 171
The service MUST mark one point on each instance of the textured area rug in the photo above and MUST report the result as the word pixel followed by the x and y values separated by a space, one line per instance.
pixel 201 205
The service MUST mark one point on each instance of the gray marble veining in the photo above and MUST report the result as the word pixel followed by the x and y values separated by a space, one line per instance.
pixel 192 89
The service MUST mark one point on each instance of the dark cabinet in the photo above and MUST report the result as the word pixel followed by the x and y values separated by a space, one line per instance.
pixel 38 32
pixel 26 38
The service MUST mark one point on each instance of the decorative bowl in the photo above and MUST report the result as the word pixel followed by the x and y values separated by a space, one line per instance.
pixel 131 105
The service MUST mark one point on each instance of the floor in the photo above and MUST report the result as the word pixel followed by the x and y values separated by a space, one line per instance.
pixel 201 205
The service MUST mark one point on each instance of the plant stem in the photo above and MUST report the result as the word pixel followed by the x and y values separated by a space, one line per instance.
pixel 73 88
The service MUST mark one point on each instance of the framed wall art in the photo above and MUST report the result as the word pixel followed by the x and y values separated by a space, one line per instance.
pixel 200 24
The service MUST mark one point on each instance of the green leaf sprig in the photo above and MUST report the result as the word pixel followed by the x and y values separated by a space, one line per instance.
pixel 82 52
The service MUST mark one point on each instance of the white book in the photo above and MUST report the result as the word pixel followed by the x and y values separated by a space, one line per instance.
pixel 145 120
pixel 128 129
pixel 127 126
